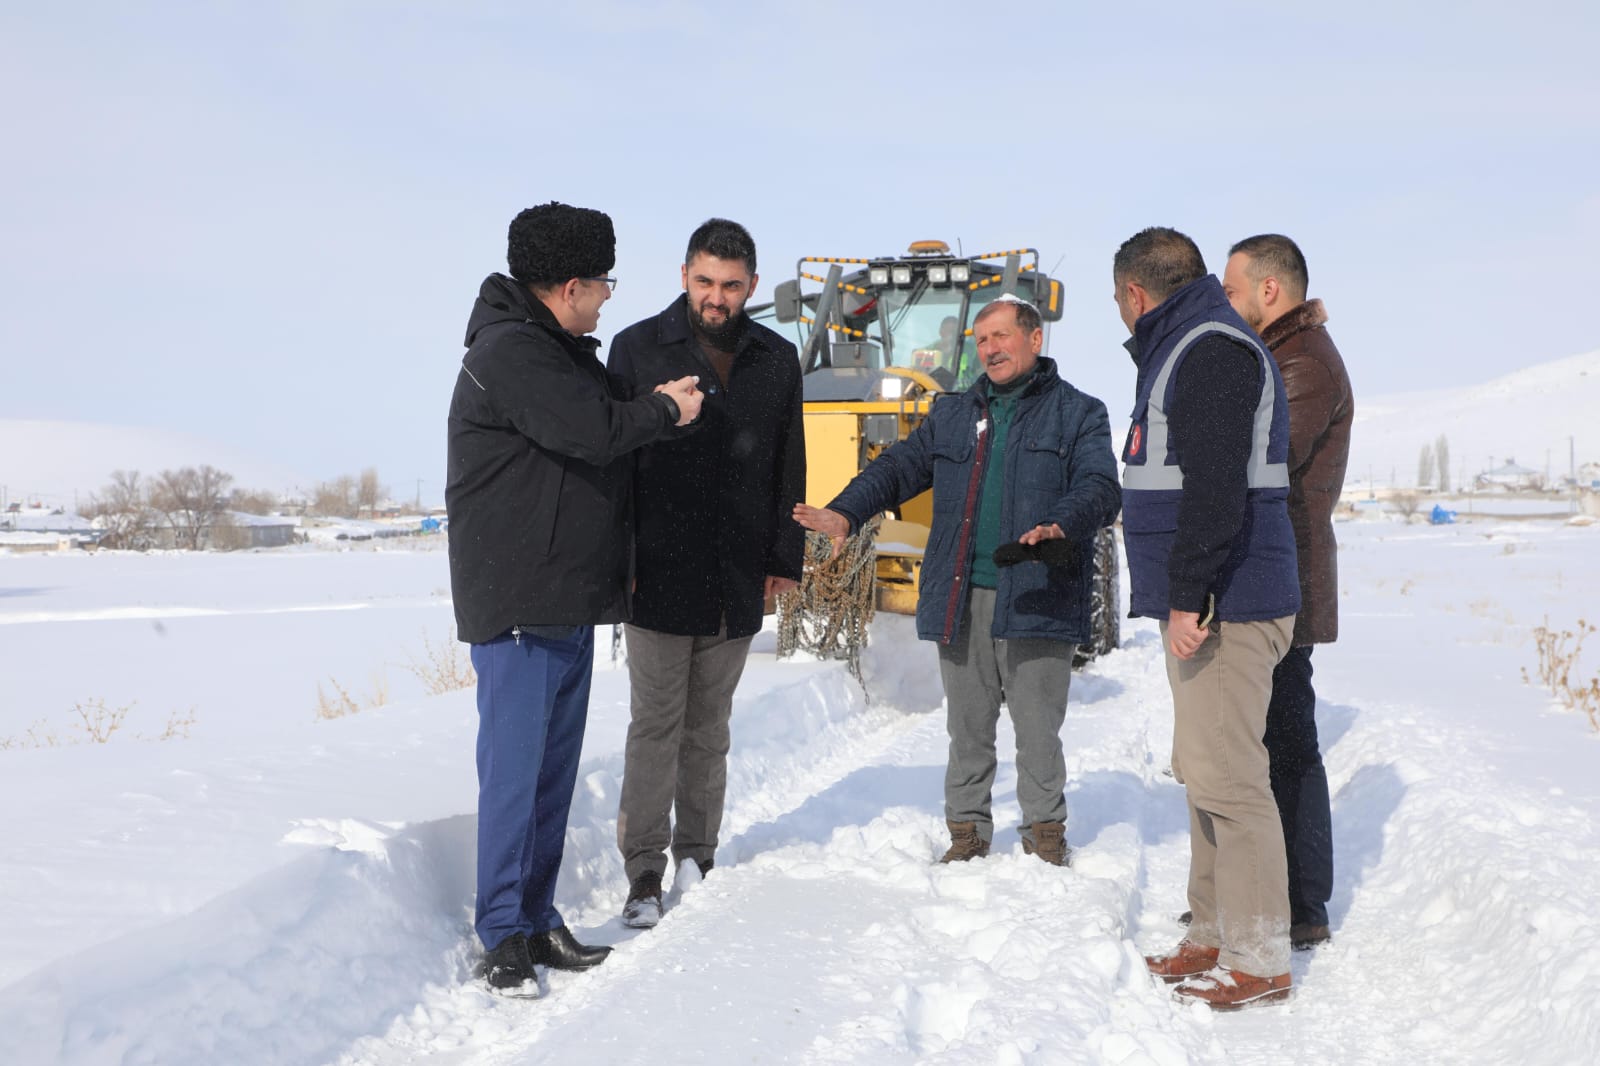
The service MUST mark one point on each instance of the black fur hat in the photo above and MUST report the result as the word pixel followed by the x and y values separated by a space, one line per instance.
pixel 554 242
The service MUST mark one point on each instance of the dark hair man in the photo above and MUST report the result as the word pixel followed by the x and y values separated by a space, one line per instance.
pixel 1266 282
pixel 714 540
pixel 1211 555
pixel 1021 456
pixel 538 492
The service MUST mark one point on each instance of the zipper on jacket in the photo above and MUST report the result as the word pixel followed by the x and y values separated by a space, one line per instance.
pixel 516 635
pixel 985 429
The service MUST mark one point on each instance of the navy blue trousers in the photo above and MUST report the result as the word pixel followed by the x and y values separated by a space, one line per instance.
pixel 533 704
pixel 1300 786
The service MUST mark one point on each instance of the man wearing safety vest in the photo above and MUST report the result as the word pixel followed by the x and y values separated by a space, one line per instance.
pixel 1211 555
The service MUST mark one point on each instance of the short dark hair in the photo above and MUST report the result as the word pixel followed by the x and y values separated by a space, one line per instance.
pixel 1159 260
pixel 721 238
pixel 1274 255
pixel 1028 316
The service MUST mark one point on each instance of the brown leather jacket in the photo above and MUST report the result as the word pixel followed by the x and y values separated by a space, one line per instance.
pixel 1320 412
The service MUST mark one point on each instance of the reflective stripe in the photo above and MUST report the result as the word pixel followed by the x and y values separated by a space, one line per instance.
pixel 1158 472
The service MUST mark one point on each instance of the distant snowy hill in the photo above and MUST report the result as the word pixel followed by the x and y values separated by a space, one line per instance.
pixel 50 461
pixel 1528 415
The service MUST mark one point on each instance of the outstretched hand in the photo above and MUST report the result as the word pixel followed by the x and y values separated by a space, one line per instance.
pixel 1039 533
pixel 822 520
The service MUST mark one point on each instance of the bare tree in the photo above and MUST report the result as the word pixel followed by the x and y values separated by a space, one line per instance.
pixel 336 498
pixel 370 491
pixel 247 501
pixel 123 511
pixel 1406 503
pixel 1441 452
pixel 189 499
pixel 1425 467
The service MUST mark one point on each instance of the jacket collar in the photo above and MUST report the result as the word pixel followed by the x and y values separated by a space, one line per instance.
pixel 504 300
pixel 1039 378
pixel 1200 298
pixel 1301 317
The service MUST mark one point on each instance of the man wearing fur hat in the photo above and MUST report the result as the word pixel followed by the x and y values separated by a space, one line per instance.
pixel 538 495
pixel 1265 280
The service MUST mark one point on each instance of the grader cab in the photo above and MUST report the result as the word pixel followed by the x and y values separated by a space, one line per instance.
pixel 881 340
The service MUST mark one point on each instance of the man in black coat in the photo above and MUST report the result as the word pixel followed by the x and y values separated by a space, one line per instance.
pixel 538 494
pixel 715 538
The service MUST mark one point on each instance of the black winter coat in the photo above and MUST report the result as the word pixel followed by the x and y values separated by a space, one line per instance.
pixel 540 467
pixel 714 500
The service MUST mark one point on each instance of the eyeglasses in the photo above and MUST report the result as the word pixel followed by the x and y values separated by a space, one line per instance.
pixel 611 283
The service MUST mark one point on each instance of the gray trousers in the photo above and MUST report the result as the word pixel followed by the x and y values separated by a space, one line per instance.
pixel 1031 678
pixel 677 753
pixel 1238 874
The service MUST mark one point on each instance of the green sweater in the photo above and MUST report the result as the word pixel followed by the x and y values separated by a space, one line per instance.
pixel 991 500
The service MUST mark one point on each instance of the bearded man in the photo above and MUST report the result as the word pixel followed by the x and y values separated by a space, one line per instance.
pixel 715 538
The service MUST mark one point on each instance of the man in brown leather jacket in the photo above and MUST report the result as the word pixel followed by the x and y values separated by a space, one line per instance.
pixel 1265 280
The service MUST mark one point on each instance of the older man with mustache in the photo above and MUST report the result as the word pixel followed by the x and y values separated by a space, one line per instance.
pixel 1020 458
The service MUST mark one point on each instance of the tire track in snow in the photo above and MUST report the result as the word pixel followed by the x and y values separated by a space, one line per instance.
pixel 835 918
pixel 769 776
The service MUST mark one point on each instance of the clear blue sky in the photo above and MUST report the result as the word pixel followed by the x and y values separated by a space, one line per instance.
pixel 265 222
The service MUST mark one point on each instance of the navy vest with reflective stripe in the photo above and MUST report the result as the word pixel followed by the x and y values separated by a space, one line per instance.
pixel 1259 579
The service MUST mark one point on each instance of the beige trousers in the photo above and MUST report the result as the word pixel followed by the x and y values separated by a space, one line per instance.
pixel 1238 874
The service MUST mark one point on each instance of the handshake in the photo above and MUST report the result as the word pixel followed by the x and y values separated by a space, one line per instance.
pixel 686 396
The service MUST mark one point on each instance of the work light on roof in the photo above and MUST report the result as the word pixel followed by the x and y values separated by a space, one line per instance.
pixel 901 274
pixel 938 274
pixel 878 276
pixel 960 272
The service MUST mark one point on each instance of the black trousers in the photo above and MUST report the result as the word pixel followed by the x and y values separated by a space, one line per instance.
pixel 1300 787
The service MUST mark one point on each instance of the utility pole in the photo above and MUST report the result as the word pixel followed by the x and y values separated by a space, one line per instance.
pixel 419 495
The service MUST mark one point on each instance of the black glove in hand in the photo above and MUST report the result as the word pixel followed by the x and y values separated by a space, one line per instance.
pixel 1058 552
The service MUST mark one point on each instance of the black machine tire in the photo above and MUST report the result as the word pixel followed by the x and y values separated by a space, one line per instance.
pixel 1105 602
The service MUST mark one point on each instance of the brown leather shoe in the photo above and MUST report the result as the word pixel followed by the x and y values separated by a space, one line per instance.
pixel 965 843
pixel 1049 843
pixel 1224 989
pixel 1189 960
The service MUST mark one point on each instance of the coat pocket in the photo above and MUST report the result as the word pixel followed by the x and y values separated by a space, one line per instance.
pixel 1042 462
pixel 545 518
pixel 952 464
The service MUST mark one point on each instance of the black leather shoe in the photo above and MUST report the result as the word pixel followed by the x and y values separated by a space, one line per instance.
pixel 559 951
pixel 509 969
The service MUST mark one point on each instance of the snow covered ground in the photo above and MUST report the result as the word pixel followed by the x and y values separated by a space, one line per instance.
pixel 279 888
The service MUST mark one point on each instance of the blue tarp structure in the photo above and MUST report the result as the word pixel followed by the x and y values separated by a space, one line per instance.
pixel 1441 517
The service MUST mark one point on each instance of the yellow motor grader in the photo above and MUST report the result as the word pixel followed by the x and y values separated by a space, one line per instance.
pixel 881 340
